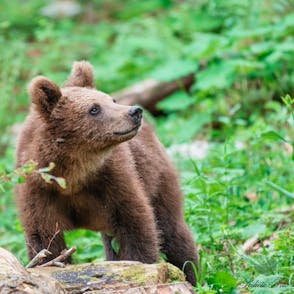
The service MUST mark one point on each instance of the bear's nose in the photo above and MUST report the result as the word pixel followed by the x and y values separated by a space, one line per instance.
pixel 136 113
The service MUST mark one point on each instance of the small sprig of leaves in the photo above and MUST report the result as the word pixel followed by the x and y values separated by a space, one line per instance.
pixel 274 136
pixel 48 178
pixel 19 175
pixel 289 102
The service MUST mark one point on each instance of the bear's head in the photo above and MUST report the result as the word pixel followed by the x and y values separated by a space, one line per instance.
pixel 78 114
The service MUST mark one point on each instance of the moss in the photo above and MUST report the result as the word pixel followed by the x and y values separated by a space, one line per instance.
pixel 140 275
pixel 108 273
pixel 174 274
pixel 136 273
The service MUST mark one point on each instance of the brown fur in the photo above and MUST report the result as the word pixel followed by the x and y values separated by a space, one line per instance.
pixel 122 185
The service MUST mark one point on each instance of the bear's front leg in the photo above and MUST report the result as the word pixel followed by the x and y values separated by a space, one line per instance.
pixel 42 220
pixel 133 227
pixel 135 232
pixel 52 241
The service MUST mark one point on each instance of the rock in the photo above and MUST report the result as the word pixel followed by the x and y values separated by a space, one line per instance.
pixel 61 9
pixel 101 277
pixel 194 150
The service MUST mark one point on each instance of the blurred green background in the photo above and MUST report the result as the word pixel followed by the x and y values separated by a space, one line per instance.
pixel 239 108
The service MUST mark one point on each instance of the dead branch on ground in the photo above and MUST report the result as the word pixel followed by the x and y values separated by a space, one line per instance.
pixel 39 258
pixel 149 92
pixel 58 261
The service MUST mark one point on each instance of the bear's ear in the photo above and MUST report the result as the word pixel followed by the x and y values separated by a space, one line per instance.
pixel 81 75
pixel 44 94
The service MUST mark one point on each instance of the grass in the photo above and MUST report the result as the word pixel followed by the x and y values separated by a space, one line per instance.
pixel 242 56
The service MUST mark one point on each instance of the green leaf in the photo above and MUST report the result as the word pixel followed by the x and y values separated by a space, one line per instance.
pixel 244 67
pixel 280 189
pixel 262 47
pixel 289 20
pixel 61 182
pixel 178 101
pixel 224 281
pixel 28 168
pixel 288 101
pixel 49 178
pixel 163 256
pixel 206 45
pixel 47 169
pixel 274 290
pixel 250 33
pixel 216 76
pixel 46 177
pixel 21 180
pixel 272 136
pixel 252 230
pixel 263 264
pixel 115 246
pixel 180 129
pixel 174 70
pixel 266 281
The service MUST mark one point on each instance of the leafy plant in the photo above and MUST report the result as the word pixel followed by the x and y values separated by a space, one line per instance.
pixel 19 175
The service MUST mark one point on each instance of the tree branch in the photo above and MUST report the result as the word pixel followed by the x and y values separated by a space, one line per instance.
pixel 59 259
pixel 39 258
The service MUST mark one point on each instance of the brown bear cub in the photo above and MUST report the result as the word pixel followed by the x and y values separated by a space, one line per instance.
pixel 119 179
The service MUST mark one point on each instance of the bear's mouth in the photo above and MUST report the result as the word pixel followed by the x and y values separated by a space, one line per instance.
pixel 128 131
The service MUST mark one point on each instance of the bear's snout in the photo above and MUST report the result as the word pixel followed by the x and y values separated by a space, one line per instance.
pixel 136 114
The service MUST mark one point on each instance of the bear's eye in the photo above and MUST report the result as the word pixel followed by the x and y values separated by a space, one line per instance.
pixel 114 101
pixel 94 110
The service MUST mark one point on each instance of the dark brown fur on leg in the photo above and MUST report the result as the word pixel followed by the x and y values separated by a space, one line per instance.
pixel 179 247
pixel 36 243
pixel 176 238
pixel 42 223
pixel 132 219
pixel 136 243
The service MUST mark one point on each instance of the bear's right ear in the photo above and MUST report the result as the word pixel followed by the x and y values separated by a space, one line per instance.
pixel 44 94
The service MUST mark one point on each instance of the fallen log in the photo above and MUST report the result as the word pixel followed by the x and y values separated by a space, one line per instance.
pixel 101 277
pixel 149 92
pixel 14 278
pixel 250 243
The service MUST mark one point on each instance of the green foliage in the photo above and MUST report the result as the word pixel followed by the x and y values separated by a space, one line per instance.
pixel 241 53
pixel 89 245
pixel 180 100
pixel 174 69
pixel 234 194
pixel 19 175
pixel 223 281
pixel 115 245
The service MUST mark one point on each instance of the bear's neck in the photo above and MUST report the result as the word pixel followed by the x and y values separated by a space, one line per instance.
pixel 78 169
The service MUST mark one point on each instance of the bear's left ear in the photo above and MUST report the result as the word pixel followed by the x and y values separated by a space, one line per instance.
pixel 81 75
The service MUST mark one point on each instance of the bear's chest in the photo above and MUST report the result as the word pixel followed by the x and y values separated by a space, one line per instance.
pixel 88 212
